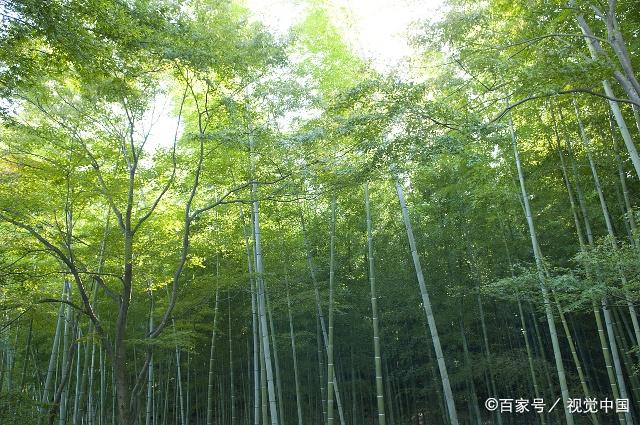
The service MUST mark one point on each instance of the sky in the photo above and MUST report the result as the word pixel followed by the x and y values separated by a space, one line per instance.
pixel 375 29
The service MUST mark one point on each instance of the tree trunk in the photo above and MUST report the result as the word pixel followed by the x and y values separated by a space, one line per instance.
pixel 26 355
pixel 320 314
pixel 377 360
pixel 275 361
pixel 614 245
pixel 292 335
pixel 262 307
pixel 321 370
pixel 254 324
pixel 54 353
pixel 541 276
pixel 67 359
pixel 263 382
pixel 330 370
pixel 212 350
pixel 604 346
pixel 231 377
pixel 426 303
pixel 149 406
pixel 475 409
pixel 594 49
pixel 179 385
pixel 483 325
pixel 574 355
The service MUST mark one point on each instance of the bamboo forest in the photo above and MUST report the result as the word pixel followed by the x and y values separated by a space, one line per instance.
pixel 319 212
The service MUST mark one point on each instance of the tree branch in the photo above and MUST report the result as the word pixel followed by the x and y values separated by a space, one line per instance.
pixel 173 170
pixel 572 91
pixel 67 261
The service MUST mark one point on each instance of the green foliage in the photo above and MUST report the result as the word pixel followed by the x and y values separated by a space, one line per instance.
pixel 137 213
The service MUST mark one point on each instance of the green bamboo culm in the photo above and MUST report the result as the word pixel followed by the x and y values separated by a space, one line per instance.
pixel 426 303
pixel 330 368
pixel 564 390
pixel 377 356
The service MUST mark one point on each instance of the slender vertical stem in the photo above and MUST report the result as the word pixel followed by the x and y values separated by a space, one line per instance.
pixel 475 409
pixel 293 352
pixel 254 323
pixel 426 303
pixel 257 243
pixel 66 348
pixel 321 370
pixel 231 376
pixel 179 385
pixel 76 398
pixel 212 356
pixel 149 406
pixel 26 355
pixel 54 354
pixel 541 276
pixel 275 360
pixel 320 314
pixel 374 313
pixel 574 355
pixel 263 382
pixel 330 370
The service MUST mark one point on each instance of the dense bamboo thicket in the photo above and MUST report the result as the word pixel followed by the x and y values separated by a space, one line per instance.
pixel 205 222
